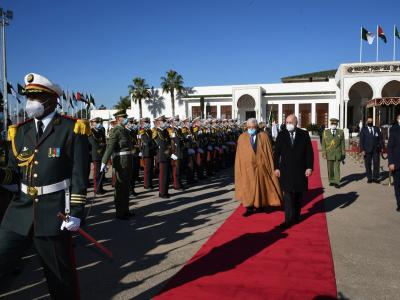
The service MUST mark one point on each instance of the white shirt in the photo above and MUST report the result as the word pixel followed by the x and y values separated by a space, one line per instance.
pixel 46 120
pixel 371 129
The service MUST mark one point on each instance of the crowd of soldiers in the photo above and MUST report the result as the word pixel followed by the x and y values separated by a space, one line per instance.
pixel 181 151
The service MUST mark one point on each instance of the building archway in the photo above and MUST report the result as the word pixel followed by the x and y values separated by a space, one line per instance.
pixel 359 94
pixel 391 89
pixel 246 107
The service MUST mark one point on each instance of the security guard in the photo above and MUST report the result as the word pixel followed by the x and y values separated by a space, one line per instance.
pixel 163 141
pixel 148 148
pixel 119 148
pixel 97 141
pixel 333 150
pixel 49 160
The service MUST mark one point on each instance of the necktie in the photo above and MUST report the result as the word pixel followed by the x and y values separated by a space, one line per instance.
pixel 292 137
pixel 39 129
pixel 252 141
pixel 334 132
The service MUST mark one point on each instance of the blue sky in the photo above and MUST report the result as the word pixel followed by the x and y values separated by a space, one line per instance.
pixel 99 46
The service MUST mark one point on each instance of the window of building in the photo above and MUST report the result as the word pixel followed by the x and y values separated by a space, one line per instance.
pixel 322 110
pixel 287 109
pixel 304 115
pixel 211 111
pixel 196 111
pixel 226 111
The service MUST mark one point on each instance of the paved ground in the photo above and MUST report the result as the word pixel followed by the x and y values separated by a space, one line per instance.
pixel 363 228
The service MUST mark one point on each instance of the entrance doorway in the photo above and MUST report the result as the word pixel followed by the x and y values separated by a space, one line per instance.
pixel 246 107
pixel 250 114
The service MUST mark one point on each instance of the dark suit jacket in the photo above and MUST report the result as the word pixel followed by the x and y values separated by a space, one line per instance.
pixel 393 147
pixel 371 143
pixel 293 161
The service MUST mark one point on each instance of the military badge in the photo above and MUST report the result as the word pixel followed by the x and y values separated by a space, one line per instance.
pixel 54 152
pixel 29 78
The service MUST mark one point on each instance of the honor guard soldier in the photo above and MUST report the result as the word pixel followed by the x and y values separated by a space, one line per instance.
pixel 119 148
pixel 190 156
pixel 148 148
pixel 133 128
pixel 50 163
pixel 198 138
pixel 178 149
pixel 163 141
pixel 333 150
pixel 97 141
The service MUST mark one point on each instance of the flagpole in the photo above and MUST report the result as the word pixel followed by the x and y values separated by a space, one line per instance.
pixel 377 43
pixel 17 112
pixel 394 42
pixel 360 43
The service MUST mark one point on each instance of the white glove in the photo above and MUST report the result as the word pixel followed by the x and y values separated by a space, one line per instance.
pixel 200 150
pixel 72 224
pixel 174 157
pixel 209 148
pixel 140 154
pixel 103 167
pixel 216 148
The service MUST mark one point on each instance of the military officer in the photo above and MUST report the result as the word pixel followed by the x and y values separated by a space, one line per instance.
pixel 198 138
pixel 163 141
pixel 97 141
pixel 333 150
pixel 133 129
pixel 190 155
pixel 148 148
pixel 48 159
pixel 119 148
pixel 178 152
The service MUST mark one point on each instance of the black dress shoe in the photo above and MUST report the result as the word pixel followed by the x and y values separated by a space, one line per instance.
pixel 124 218
pixel 134 193
pixel 331 184
pixel 398 208
pixel 369 181
pixel 337 186
pixel 376 180
pixel 164 196
pixel 101 192
pixel 248 212
pixel 130 214
pixel 260 210
pixel 284 225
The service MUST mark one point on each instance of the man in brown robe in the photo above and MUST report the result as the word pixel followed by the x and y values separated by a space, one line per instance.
pixel 256 185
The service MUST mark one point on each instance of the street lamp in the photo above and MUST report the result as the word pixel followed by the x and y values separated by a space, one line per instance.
pixel 5 18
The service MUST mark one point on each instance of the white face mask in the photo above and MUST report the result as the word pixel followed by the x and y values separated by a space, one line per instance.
pixel 333 126
pixel 34 109
pixel 290 127
pixel 398 121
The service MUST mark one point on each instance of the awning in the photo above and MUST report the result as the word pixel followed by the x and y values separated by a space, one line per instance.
pixel 383 101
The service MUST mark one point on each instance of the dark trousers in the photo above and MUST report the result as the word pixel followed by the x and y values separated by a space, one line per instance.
pixel 199 165
pixel 292 202
pixel 123 175
pixel 372 159
pixel 163 177
pixel 396 184
pixel 55 253
pixel 136 168
pixel 190 163
pixel 148 172
pixel 177 173
pixel 96 176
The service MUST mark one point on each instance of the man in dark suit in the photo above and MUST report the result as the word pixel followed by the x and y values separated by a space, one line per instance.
pixel 293 162
pixel 394 158
pixel 371 145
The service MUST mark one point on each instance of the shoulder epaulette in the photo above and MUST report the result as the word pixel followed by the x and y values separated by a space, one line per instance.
pixel 155 134
pixel 82 127
pixel 12 129
pixel 141 131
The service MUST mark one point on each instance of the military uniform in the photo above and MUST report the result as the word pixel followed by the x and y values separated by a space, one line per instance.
pixel 198 139
pixel 189 157
pixel 97 141
pixel 178 150
pixel 163 141
pixel 148 148
pixel 333 149
pixel 51 167
pixel 119 148
pixel 134 133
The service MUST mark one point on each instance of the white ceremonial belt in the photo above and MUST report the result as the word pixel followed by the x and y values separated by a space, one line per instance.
pixel 46 189
pixel 122 153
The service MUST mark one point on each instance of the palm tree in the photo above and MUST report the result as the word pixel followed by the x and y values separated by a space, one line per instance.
pixel 171 84
pixel 139 91
pixel 123 103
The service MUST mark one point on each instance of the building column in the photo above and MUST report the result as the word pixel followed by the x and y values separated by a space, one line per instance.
pixel 296 109
pixel 345 112
pixel 218 111
pixel 280 113
pixel 313 113
pixel 373 114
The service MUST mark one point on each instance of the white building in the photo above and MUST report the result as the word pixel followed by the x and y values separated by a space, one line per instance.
pixel 361 88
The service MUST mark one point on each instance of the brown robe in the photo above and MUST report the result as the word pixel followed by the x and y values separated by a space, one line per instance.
pixel 255 181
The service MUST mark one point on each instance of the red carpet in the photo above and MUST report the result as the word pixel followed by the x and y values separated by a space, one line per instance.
pixel 249 258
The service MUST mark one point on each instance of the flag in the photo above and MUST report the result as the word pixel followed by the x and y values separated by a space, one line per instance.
pixel 381 34
pixel 70 100
pixel 367 36
pixel 91 99
pixel 73 96
pixel 396 32
pixel 63 96
pixel 10 90
pixel 20 89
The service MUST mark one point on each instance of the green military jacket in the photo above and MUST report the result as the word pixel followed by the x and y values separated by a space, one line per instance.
pixel 97 141
pixel 61 153
pixel 333 146
pixel 119 141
